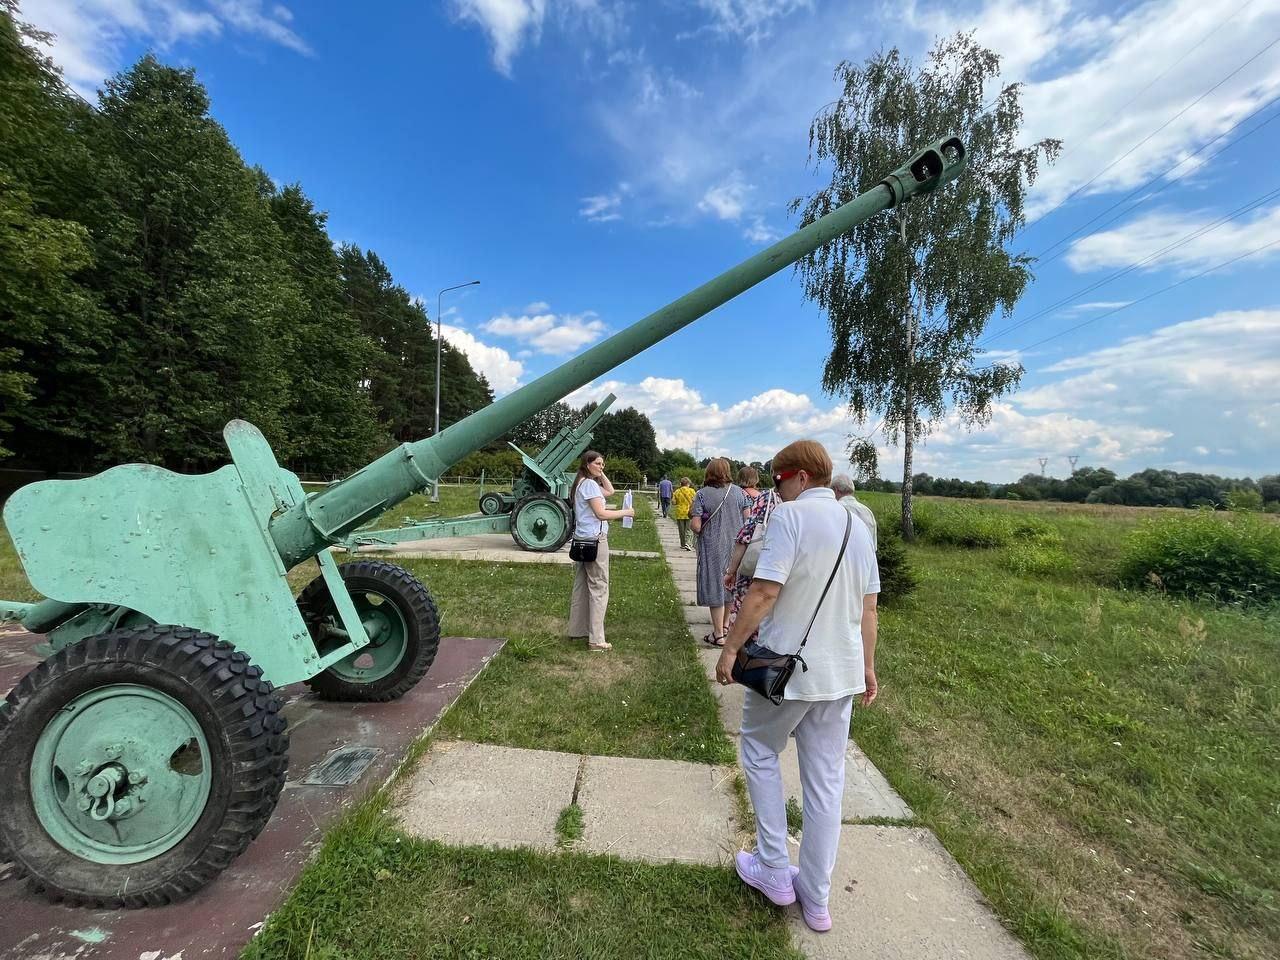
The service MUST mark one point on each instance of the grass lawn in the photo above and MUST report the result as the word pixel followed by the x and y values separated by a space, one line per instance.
pixel 1105 764
pixel 374 893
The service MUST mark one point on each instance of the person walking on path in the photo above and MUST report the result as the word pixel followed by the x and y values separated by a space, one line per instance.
pixel 664 493
pixel 789 601
pixel 716 517
pixel 737 584
pixel 749 481
pixel 842 487
pixel 590 597
pixel 681 502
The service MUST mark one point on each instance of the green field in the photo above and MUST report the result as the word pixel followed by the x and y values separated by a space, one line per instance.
pixel 1105 763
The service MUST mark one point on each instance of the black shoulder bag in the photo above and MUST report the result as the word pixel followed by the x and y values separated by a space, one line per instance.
pixel 766 671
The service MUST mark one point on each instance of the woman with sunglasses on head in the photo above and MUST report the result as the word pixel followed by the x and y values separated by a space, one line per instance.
pixel 813 594
pixel 716 517
pixel 590 597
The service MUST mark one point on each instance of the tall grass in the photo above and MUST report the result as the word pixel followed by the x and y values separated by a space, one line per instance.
pixel 1232 559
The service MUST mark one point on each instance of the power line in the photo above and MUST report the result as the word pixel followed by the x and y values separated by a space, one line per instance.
pixel 1145 139
pixel 1168 183
pixel 1146 297
pixel 1193 235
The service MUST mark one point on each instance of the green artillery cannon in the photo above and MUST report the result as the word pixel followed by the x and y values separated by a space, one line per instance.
pixel 524 511
pixel 149 749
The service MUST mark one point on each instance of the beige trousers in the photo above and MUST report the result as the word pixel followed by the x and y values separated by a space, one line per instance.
pixel 590 596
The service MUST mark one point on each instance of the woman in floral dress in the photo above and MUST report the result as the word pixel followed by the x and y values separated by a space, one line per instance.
pixel 735 584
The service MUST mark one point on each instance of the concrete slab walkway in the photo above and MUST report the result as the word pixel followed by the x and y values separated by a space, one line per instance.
pixel 654 810
pixel 897 892
pixel 490 547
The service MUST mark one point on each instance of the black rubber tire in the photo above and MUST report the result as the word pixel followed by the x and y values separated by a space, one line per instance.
pixel 416 606
pixel 491 504
pixel 550 546
pixel 236 708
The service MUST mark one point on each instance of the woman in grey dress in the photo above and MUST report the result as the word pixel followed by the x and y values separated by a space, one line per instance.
pixel 716 517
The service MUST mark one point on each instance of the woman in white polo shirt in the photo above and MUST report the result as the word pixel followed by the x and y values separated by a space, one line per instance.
pixel 804 543
pixel 590 597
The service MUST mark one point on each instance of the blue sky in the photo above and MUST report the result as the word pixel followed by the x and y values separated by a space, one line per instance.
pixel 590 160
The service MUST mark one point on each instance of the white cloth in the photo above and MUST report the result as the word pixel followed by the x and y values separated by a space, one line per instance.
pixel 800 548
pixel 863 513
pixel 822 737
pixel 586 526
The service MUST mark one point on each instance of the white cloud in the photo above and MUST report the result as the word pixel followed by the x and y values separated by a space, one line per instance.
pixel 1151 234
pixel 725 199
pixel 551 333
pixel 749 19
pixel 1113 57
pixel 1208 382
pixel 502 372
pixel 89 35
pixel 751 429
pixel 601 208
pixel 509 23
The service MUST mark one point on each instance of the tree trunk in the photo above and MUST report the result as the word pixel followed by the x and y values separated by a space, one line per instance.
pixel 908 438
pixel 909 422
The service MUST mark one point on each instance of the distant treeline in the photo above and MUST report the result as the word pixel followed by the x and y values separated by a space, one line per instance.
pixel 1149 488
pixel 154 286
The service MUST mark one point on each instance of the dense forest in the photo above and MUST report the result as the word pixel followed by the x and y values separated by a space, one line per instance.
pixel 153 286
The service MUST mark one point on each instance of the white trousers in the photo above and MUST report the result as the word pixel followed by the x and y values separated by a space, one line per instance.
pixel 821 729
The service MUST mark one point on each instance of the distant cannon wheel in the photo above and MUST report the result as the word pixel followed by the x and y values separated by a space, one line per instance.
pixel 491 504
pixel 542 523
pixel 135 765
pixel 403 626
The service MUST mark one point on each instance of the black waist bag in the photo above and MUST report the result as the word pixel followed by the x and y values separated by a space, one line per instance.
pixel 584 551
pixel 766 671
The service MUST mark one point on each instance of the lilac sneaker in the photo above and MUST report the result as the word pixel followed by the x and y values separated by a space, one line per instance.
pixel 765 879
pixel 818 918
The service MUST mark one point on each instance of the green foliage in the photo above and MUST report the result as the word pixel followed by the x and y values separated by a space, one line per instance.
pixel 569 826
pixel 676 463
pixel 1036 559
pixel 974 527
pixel 897 579
pixel 907 306
pixel 1244 500
pixel 1232 558
pixel 623 472
pixel 795 817
pixel 495 464
pixel 626 433
pixel 153 287
pixel 542 427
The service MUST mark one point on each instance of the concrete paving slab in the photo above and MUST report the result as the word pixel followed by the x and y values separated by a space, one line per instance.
pixel 462 794
pixel 220 919
pixel 697 618
pixel 898 895
pixel 866 792
pixel 490 547
pixel 658 810
pixel 729 704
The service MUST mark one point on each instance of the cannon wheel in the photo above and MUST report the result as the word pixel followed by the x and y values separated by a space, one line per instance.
pixel 136 764
pixel 491 504
pixel 403 623
pixel 541 522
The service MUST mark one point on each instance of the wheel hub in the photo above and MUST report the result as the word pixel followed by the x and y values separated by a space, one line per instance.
pixel 120 774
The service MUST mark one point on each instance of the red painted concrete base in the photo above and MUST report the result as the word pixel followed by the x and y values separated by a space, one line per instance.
pixel 222 918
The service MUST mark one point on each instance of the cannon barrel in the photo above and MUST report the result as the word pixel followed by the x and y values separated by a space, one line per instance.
pixel 323 518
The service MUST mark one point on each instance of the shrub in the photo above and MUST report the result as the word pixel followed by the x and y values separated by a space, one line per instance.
pixel 1228 558
pixel 623 472
pixel 962 526
pixel 897 579
pixel 1036 559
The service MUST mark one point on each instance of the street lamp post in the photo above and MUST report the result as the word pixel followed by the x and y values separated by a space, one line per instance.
pixel 435 487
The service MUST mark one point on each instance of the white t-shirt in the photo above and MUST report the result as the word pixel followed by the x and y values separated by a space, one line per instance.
pixel 586 526
pixel 800 548
pixel 863 513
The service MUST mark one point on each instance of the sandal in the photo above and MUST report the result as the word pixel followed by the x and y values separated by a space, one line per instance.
pixel 600 646
pixel 711 640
